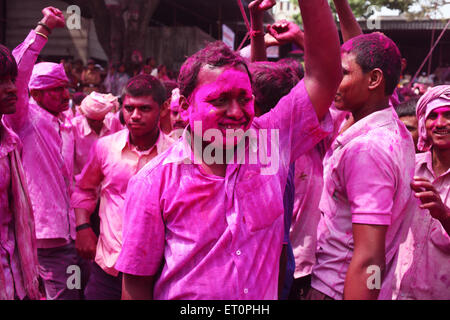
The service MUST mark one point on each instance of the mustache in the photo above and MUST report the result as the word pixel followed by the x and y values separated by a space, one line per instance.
pixel 11 96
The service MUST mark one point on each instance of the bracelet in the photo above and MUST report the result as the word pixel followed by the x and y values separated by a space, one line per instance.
pixel 256 33
pixel 83 226
pixel 46 27
pixel 41 34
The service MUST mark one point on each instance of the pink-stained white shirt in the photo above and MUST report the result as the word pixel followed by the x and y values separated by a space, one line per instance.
pixel 112 162
pixel 47 154
pixel 367 176
pixel 306 214
pixel 423 270
pixel 9 259
pixel 216 237
pixel 85 137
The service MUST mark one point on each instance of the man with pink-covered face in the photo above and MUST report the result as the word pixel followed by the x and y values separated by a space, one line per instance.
pixel 47 156
pixel 201 229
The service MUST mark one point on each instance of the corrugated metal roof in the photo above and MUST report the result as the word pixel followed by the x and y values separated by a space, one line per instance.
pixel 389 24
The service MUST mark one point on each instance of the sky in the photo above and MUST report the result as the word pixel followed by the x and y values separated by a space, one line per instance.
pixel 387 12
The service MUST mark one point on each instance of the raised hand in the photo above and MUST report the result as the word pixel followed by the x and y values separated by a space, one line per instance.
pixel 286 32
pixel 53 18
pixel 429 197
pixel 261 5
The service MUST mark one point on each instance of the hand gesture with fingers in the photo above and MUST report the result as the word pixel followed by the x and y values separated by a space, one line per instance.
pixel 257 8
pixel 429 197
pixel 53 18
pixel 286 32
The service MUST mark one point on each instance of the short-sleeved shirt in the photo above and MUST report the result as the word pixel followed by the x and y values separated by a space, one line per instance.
pixel 423 270
pixel 367 176
pixel 306 215
pixel 211 237
pixel 112 162
pixel 85 137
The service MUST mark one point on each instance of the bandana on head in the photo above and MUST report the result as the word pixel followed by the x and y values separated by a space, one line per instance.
pixel 96 105
pixel 434 98
pixel 48 75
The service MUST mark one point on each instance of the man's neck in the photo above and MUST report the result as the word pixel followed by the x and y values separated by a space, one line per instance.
pixel 441 160
pixel 370 107
pixel 143 143
pixel 214 168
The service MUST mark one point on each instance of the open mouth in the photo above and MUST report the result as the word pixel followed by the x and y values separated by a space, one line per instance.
pixel 441 132
pixel 233 126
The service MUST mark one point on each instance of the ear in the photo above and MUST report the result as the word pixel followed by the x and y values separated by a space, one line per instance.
pixel 184 108
pixel 376 79
pixel 164 109
pixel 37 95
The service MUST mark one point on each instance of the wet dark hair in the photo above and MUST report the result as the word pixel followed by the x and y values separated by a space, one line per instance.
pixel 215 54
pixel 293 65
pixel 146 85
pixel 8 65
pixel 407 108
pixel 271 82
pixel 375 50
pixel 169 85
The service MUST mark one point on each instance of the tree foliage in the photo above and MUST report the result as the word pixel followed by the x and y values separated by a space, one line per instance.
pixel 365 8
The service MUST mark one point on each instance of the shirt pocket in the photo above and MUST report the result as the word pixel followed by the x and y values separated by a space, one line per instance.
pixel 260 199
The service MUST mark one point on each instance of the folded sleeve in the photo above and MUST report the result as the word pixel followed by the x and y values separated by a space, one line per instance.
pixel 369 178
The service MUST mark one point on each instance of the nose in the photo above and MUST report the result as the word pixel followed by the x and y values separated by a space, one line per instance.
pixel 440 121
pixel 11 87
pixel 136 114
pixel 234 110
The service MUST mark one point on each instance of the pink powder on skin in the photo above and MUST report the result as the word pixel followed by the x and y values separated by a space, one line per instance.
pixel 223 98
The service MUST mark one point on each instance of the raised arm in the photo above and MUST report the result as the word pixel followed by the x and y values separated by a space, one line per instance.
pixel 26 55
pixel 350 28
pixel 323 70
pixel 258 46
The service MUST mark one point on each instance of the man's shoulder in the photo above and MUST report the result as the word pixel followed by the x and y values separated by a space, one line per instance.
pixel 113 139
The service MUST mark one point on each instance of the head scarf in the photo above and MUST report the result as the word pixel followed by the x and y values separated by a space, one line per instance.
pixel 434 98
pixel 96 105
pixel 48 75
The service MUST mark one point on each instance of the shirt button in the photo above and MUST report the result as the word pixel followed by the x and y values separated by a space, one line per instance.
pixel 238 252
pixel 245 290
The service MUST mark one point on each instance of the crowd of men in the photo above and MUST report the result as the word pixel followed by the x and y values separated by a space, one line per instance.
pixel 171 192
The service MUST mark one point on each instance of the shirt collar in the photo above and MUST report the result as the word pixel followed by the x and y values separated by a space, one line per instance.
pixel 86 128
pixel 374 120
pixel 161 144
pixel 182 151
pixel 61 118
pixel 424 161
